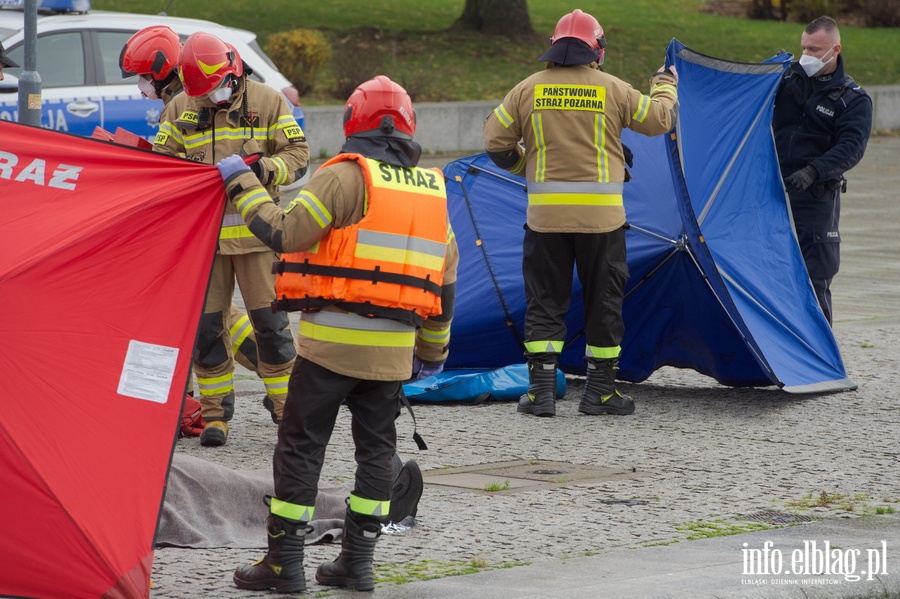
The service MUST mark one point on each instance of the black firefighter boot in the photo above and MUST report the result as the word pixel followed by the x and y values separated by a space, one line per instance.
pixel 282 567
pixel 541 397
pixel 600 394
pixel 353 567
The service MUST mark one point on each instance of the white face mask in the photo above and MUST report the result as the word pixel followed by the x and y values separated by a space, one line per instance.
pixel 812 65
pixel 221 95
pixel 147 88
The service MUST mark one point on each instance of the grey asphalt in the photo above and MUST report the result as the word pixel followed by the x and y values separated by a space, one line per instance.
pixel 706 491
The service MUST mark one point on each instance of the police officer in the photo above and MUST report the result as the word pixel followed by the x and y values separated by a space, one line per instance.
pixel 370 259
pixel 223 112
pixel 821 123
pixel 571 116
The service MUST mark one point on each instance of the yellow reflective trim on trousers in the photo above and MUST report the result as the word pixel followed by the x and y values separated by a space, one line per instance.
pixel 321 332
pixel 220 385
pixel 544 347
pixel 239 232
pixel 257 196
pixel 503 116
pixel 369 507
pixel 432 336
pixel 540 145
pixel 276 385
pixel 642 111
pixel 383 254
pixel 603 353
pixel 239 331
pixel 291 511
pixel 575 199
pixel 600 144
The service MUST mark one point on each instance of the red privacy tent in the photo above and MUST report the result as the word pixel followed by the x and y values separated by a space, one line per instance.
pixel 105 255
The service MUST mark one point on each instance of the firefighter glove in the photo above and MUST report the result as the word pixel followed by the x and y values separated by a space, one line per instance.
pixel 231 166
pixel 802 179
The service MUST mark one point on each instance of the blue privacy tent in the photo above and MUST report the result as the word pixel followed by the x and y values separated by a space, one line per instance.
pixel 717 282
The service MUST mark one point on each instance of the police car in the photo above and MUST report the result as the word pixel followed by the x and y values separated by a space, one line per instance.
pixel 78 63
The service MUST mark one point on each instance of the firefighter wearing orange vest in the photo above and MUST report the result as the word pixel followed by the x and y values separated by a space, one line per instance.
pixel 224 112
pixel 571 116
pixel 370 259
pixel 152 55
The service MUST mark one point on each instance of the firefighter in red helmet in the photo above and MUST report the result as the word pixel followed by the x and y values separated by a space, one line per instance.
pixel 224 112
pixel 571 116
pixel 369 257
pixel 152 54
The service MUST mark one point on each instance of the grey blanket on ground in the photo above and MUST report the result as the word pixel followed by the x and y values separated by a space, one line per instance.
pixel 209 505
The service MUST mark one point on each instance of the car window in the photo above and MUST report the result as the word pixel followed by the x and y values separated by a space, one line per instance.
pixel 111 44
pixel 60 59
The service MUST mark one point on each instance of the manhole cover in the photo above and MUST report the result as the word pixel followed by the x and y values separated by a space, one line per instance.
pixel 777 517
pixel 509 477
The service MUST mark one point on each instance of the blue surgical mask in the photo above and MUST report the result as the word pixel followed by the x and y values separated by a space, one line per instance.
pixel 812 65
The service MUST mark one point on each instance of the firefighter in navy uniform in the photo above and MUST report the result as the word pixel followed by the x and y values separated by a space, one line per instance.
pixel 571 116
pixel 822 122
pixel 370 259
pixel 223 112
pixel 152 54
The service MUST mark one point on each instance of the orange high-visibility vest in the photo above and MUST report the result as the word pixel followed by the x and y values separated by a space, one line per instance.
pixel 392 258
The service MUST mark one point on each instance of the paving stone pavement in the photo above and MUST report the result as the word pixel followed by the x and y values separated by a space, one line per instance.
pixel 696 453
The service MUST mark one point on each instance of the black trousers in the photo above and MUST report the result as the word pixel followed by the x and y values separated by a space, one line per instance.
pixel 313 401
pixel 817 214
pixel 547 266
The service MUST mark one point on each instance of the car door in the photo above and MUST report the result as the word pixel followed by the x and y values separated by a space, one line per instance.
pixel 70 100
pixel 123 104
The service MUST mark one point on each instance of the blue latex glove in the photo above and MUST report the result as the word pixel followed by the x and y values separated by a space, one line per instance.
pixel 424 370
pixel 233 165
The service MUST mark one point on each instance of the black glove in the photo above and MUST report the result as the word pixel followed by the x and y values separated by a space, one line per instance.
pixel 629 155
pixel 802 179
pixel 264 176
pixel 629 161
pixel 256 167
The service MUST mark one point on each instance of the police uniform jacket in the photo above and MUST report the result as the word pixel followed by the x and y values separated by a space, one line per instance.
pixel 256 120
pixel 571 120
pixel 336 197
pixel 824 122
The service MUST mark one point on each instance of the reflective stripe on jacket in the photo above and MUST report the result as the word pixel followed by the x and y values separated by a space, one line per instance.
pixel 196 129
pixel 393 258
pixel 571 121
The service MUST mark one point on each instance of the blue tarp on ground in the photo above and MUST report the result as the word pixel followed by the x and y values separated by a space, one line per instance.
pixel 717 282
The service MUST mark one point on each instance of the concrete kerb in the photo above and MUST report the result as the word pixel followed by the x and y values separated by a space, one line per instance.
pixel 454 127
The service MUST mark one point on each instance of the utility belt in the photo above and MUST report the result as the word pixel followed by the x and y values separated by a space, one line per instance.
pixel 834 184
